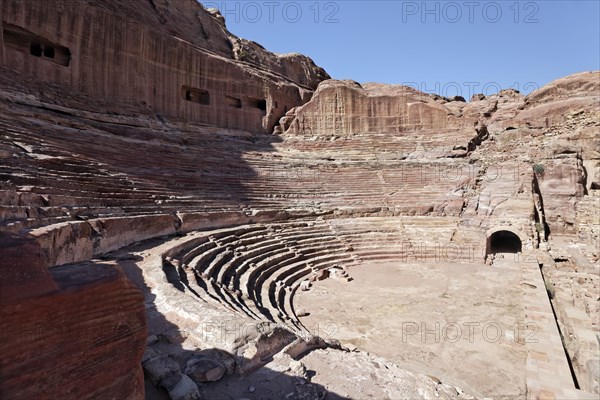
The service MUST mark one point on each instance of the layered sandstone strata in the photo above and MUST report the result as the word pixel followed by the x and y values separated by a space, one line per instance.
pixel 74 331
pixel 342 107
pixel 174 58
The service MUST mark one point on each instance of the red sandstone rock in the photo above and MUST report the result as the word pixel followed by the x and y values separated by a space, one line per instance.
pixel 342 107
pixel 24 272
pixel 71 332
pixel 199 80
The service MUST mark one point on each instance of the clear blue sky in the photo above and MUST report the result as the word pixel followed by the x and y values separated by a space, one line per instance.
pixel 447 47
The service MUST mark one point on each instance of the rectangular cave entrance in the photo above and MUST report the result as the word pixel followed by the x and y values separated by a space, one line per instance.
pixel 28 42
pixel 195 95
pixel 260 104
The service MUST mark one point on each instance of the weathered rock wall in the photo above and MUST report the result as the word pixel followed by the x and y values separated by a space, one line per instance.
pixel 1 36
pixel 184 19
pixel 76 331
pixel 127 57
pixel 565 115
pixel 297 67
pixel 343 107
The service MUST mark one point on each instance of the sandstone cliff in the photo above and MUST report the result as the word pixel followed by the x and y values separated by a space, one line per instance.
pixel 174 58
pixel 343 107
pixel 76 331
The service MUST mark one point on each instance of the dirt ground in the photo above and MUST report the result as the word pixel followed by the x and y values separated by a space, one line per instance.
pixel 457 322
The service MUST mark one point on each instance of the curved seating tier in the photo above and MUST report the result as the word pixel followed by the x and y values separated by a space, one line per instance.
pixel 57 168
pixel 410 239
pixel 98 182
pixel 255 269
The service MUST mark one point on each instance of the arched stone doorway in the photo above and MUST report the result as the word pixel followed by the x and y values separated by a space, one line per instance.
pixel 504 241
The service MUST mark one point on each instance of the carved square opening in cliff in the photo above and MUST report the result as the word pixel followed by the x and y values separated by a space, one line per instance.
pixel 233 102
pixel 196 95
pixel 261 104
pixel 22 40
pixel 35 49
pixel 49 52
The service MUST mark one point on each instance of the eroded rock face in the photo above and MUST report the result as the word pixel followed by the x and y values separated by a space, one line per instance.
pixel 172 57
pixel 297 67
pixel 343 107
pixel 185 19
pixel 576 86
pixel 76 331
pixel 202 369
pixel 566 114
